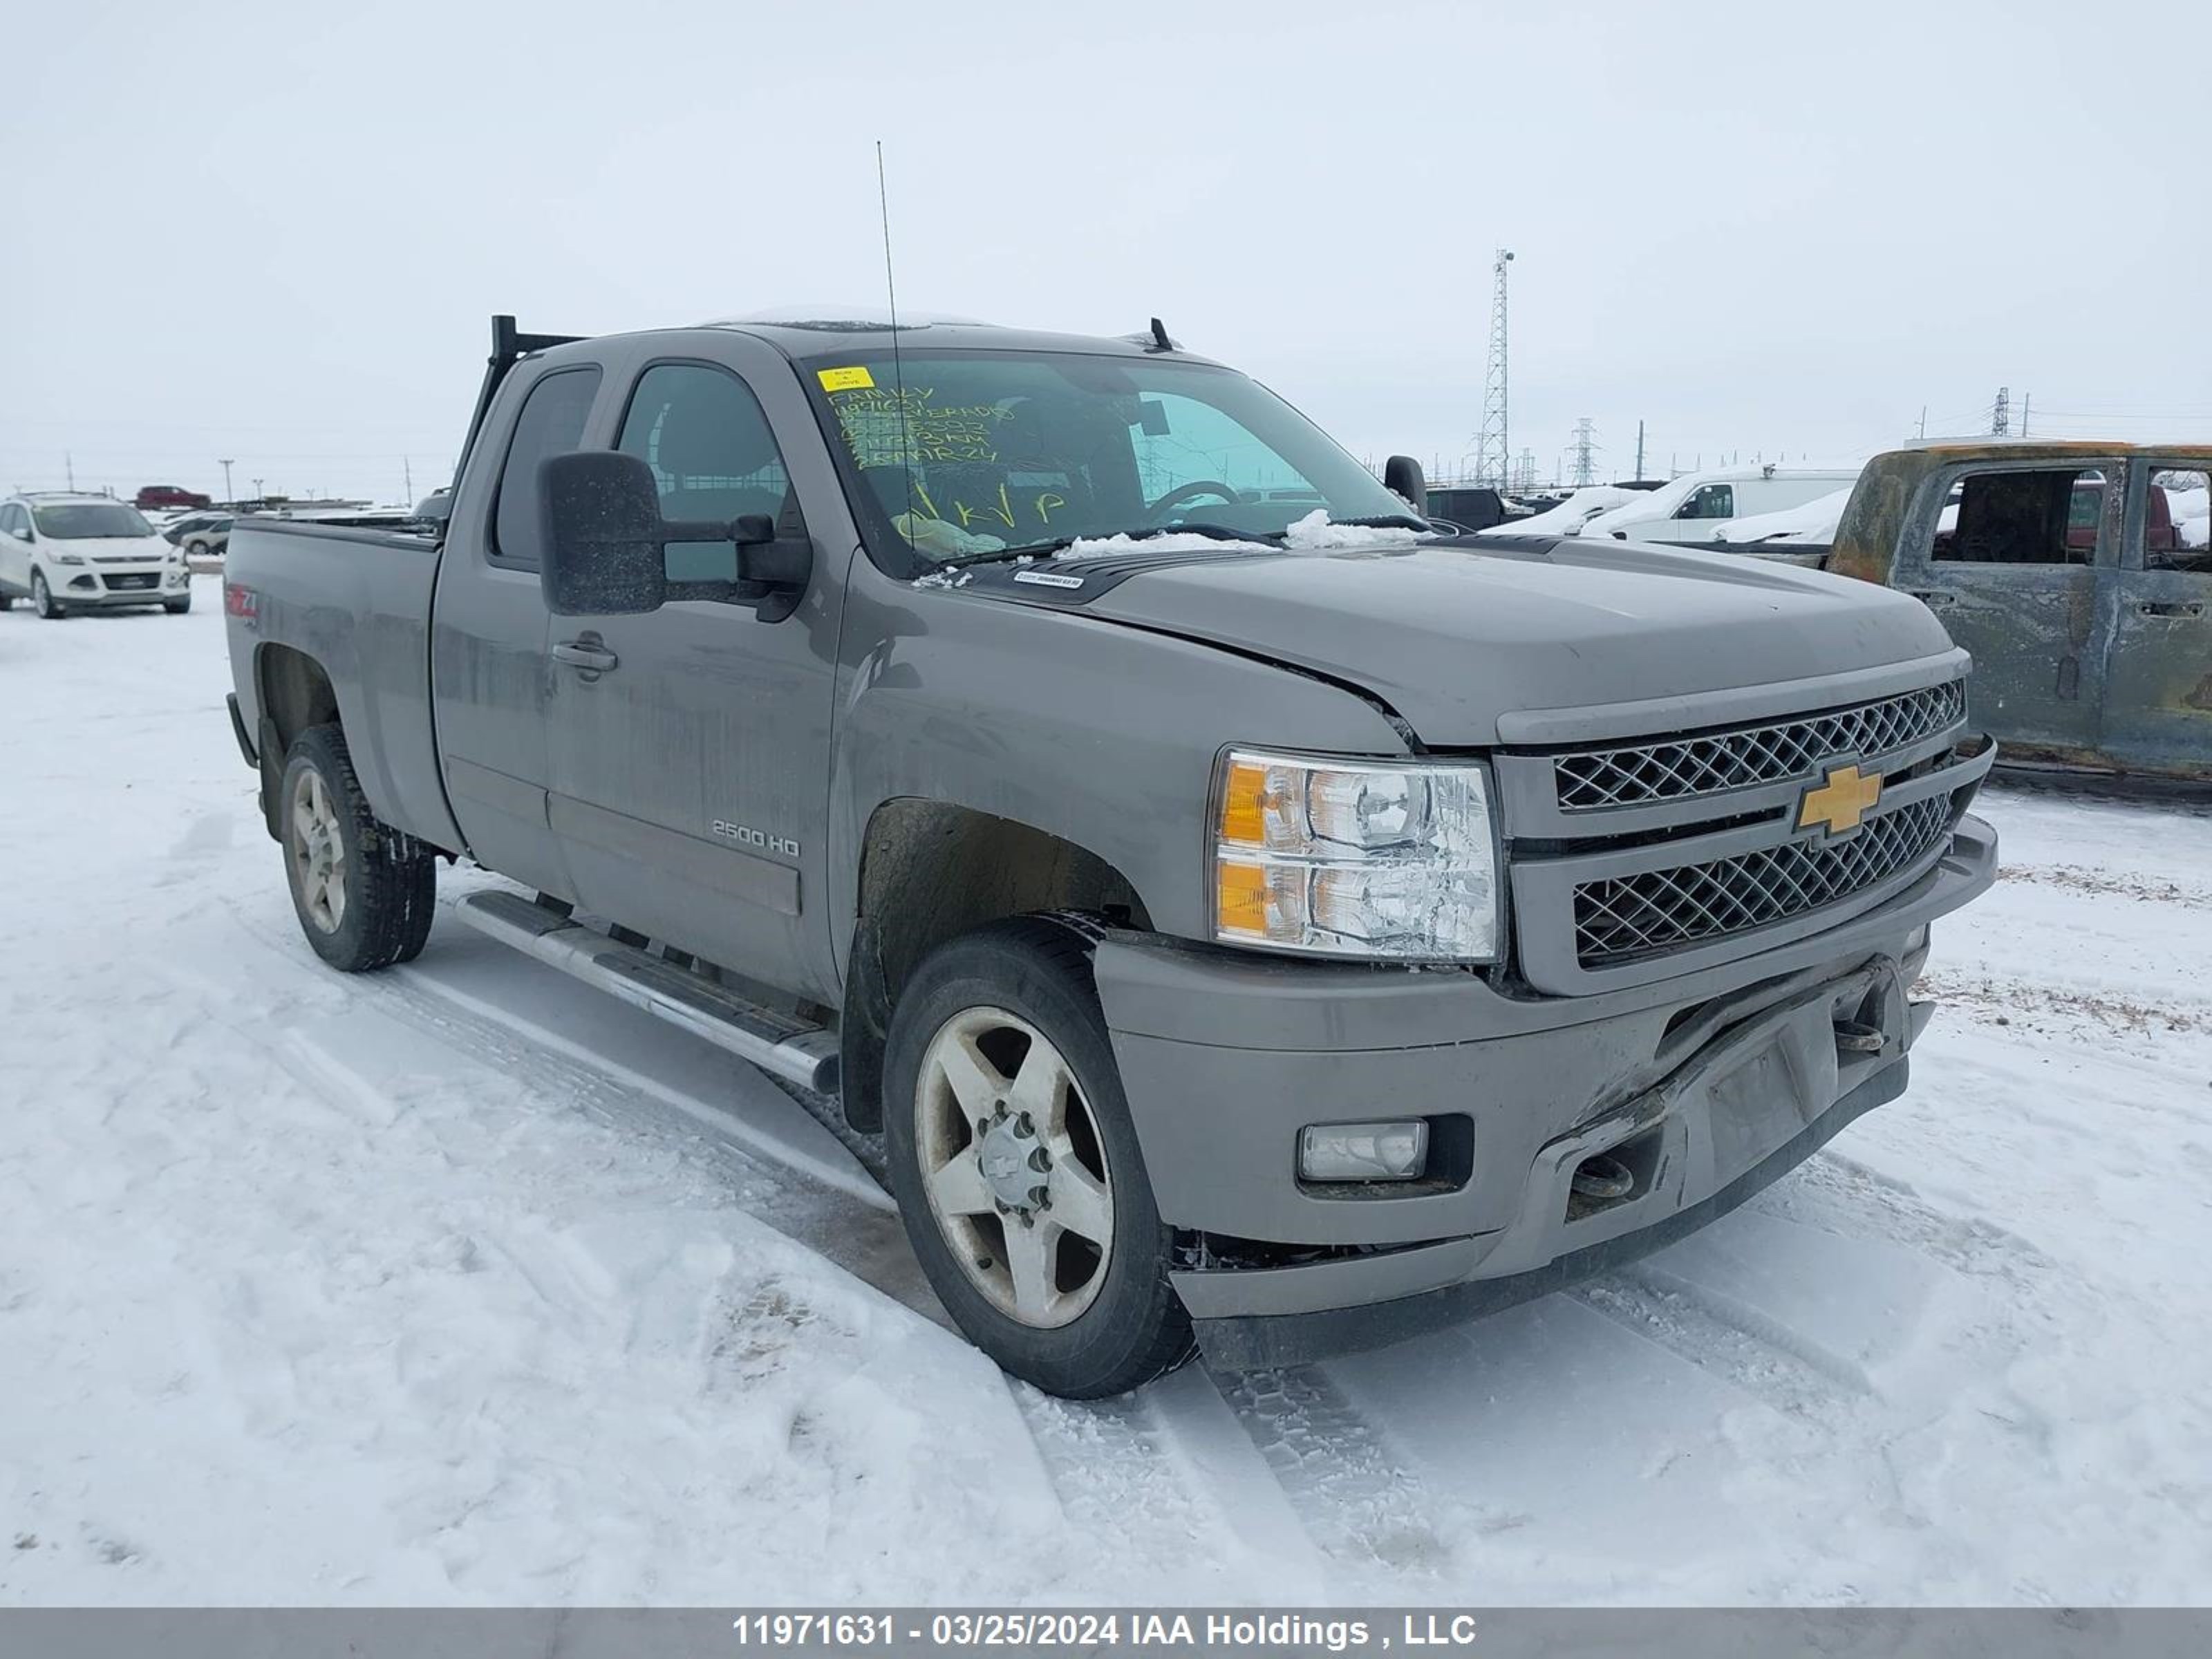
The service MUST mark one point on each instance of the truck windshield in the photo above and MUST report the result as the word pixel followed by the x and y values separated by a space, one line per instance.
pixel 84 520
pixel 954 455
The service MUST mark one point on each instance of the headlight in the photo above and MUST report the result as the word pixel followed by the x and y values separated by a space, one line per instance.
pixel 1356 857
pixel 68 558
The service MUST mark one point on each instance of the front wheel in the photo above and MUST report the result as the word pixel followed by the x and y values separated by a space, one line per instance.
pixel 1017 1169
pixel 178 607
pixel 42 598
pixel 364 893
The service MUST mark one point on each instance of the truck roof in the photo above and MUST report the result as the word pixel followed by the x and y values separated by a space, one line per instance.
pixel 808 339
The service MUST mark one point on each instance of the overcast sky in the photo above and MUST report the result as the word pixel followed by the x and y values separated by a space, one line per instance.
pixel 268 232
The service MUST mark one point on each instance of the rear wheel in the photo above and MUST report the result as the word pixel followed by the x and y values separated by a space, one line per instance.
pixel 42 598
pixel 1017 1169
pixel 364 893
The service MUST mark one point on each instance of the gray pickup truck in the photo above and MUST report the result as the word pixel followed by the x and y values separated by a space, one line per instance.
pixel 1230 913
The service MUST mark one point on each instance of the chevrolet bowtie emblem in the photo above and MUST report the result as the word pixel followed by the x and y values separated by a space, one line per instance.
pixel 1841 801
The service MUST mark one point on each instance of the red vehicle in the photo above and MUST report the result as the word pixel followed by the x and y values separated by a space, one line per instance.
pixel 155 496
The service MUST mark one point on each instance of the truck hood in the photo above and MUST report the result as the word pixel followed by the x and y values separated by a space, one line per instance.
pixel 1453 637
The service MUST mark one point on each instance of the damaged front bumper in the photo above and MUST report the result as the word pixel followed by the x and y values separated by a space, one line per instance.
pixel 1700 1090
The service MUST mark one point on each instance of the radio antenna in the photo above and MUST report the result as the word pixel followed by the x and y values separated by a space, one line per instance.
pixel 898 367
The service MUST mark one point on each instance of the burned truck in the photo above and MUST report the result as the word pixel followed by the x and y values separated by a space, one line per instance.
pixel 2078 574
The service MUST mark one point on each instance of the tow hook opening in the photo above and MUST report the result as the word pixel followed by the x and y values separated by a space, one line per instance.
pixel 1859 1036
pixel 1619 1175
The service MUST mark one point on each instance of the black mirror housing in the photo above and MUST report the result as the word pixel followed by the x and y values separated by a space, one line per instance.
pixel 604 542
pixel 1401 476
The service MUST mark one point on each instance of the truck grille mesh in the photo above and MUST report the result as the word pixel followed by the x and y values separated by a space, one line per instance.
pixel 1624 917
pixel 1707 764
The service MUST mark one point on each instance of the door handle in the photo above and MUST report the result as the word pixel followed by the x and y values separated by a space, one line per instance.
pixel 587 655
pixel 2173 608
pixel 1934 598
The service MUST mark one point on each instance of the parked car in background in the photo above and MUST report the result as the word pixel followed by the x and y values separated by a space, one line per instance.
pixel 160 496
pixel 2079 575
pixel 1693 506
pixel 65 552
pixel 200 534
pixel 1814 523
pixel 1568 517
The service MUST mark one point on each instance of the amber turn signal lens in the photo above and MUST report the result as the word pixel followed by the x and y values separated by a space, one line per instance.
pixel 1244 807
pixel 1242 900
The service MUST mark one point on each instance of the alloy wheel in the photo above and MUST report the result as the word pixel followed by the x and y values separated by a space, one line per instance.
pixel 1014 1167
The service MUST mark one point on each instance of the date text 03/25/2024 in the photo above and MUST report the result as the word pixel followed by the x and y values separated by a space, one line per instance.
pixel 956 1631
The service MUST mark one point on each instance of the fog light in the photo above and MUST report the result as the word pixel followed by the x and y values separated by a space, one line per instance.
pixel 1363 1151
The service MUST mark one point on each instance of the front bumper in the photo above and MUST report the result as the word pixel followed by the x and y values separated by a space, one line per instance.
pixel 1706 1085
pixel 104 586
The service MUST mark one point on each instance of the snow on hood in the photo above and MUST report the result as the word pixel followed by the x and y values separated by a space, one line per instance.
pixel 1815 521
pixel 1113 547
pixel 1315 534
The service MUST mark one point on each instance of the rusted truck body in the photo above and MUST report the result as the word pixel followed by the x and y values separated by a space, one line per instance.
pixel 2079 575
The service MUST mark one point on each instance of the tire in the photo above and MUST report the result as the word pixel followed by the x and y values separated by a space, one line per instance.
pixel 995 992
pixel 178 607
pixel 365 895
pixel 42 598
pixel 7 601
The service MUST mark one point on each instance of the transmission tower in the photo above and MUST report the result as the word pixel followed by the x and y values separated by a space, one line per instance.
pixel 2001 415
pixel 1493 454
pixel 1524 473
pixel 1586 448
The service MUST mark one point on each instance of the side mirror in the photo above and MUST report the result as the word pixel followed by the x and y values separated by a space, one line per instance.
pixel 605 541
pixel 1402 474
pixel 606 545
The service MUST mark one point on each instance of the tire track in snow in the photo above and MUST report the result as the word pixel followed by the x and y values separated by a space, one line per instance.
pixel 864 1239
pixel 1359 1504
pixel 1787 1375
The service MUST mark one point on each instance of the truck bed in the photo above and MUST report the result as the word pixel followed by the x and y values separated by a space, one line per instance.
pixel 357 602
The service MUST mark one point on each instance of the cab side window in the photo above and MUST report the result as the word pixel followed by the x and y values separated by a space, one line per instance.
pixel 14 522
pixel 2044 516
pixel 1709 502
pixel 2176 528
pixel 713 456
pixel 551 424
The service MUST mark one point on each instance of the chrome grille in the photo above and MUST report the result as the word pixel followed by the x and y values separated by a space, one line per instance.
pixel 1716 761
pixel 1624 917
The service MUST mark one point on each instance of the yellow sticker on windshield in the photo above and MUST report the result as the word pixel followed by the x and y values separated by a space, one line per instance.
pixel 844 379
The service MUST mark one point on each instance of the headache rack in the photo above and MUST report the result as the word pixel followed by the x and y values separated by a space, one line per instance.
pixel 510 346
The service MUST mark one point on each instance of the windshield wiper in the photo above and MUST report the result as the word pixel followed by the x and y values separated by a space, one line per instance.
pixel 1220 533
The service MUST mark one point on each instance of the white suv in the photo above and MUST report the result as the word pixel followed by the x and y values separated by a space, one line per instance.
pixel 67 553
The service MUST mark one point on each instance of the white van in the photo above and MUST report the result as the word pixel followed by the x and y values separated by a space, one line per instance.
pixel 1692 507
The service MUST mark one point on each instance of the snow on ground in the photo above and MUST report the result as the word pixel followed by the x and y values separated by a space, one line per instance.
pixel 462 1284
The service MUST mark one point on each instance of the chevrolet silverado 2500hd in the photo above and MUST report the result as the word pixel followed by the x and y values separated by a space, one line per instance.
pixel 1246 917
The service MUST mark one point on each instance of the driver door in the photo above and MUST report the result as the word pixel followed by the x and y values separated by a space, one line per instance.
pixel 690 746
